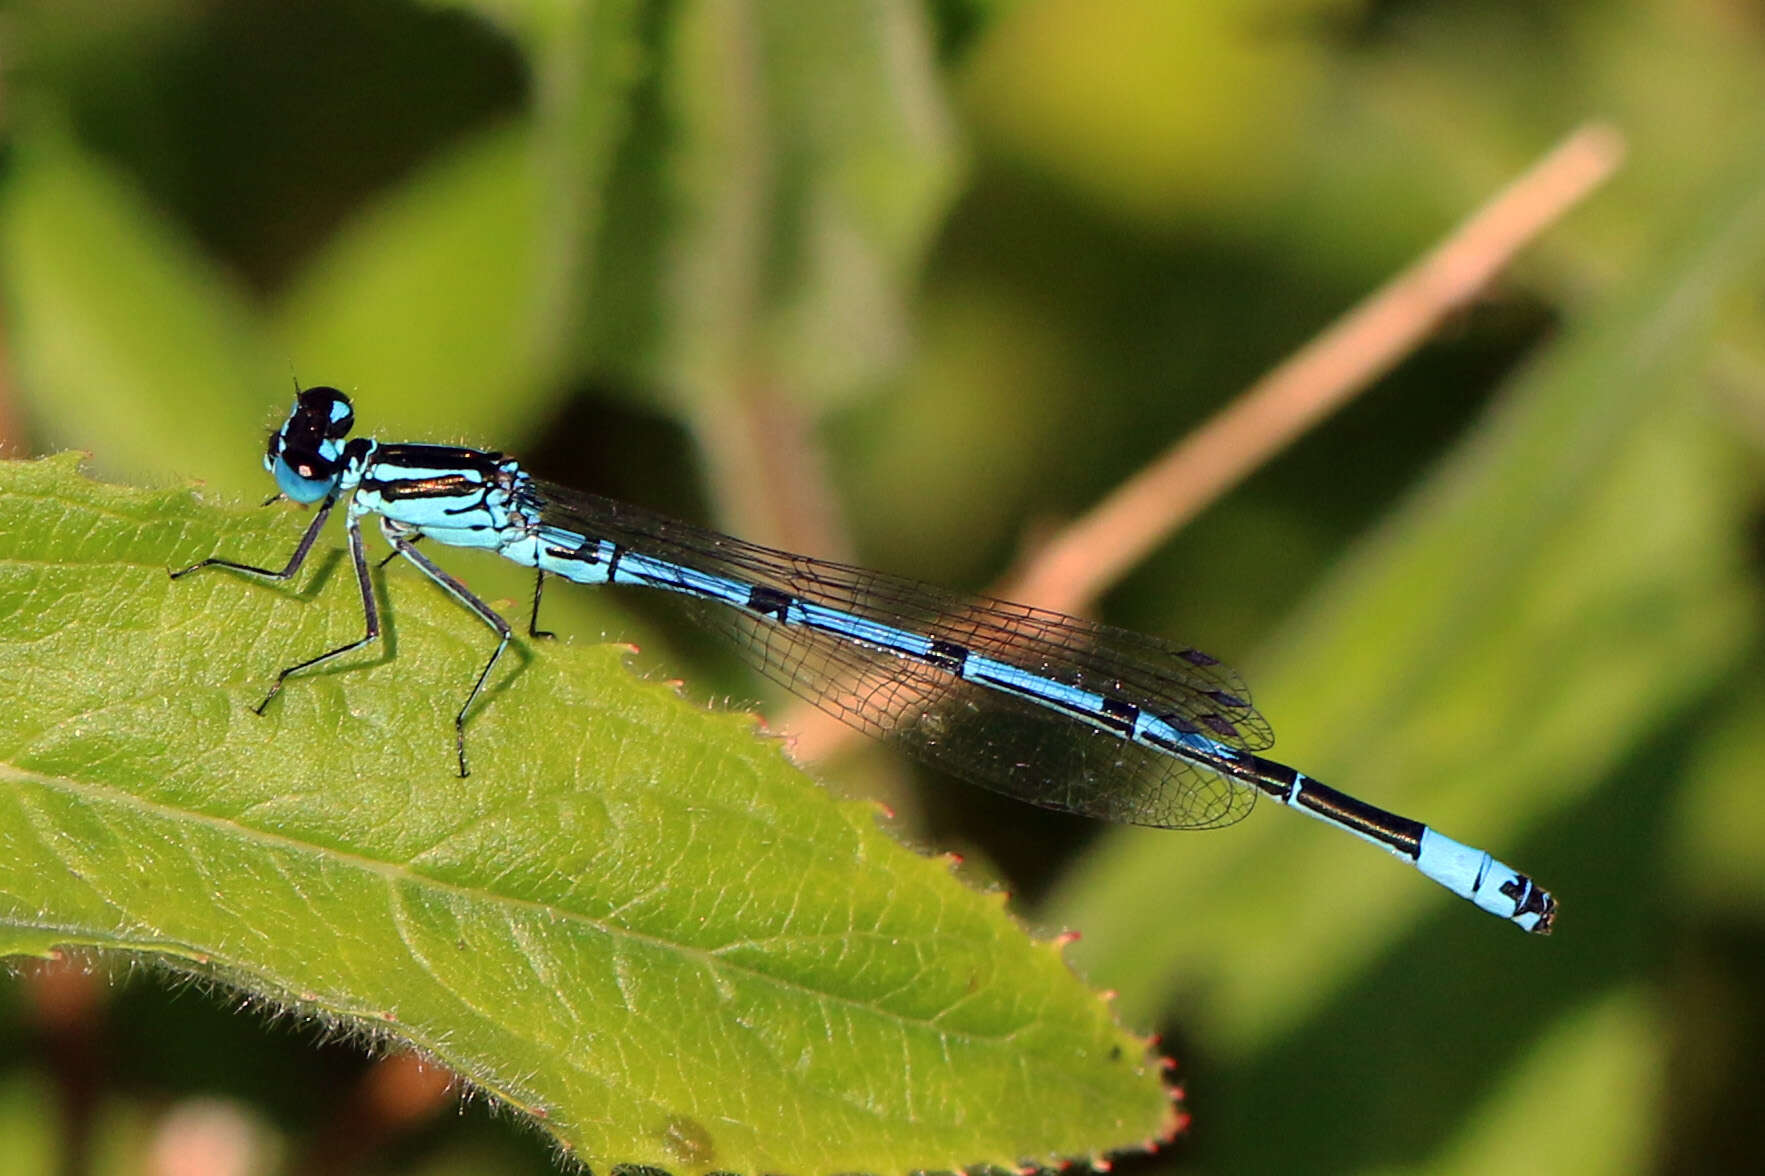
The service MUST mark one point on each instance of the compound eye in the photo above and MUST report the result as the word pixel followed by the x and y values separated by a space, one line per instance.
pixel 329 410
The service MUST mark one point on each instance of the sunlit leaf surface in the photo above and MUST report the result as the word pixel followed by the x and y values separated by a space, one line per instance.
pixel 635 921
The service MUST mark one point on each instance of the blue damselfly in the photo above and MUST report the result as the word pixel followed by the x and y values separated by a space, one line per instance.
pixel 1045 708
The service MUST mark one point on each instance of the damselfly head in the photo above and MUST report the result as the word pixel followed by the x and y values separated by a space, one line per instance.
pixel 304 454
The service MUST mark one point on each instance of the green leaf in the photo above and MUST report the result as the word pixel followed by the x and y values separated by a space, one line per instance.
pixel 635 921
pixel 17 939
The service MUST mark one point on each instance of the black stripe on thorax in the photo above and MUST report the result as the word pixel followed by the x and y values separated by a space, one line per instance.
pixel 440 486
pixel 439 457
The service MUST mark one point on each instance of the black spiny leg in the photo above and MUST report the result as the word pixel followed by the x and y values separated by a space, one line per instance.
pixel 533 629
pixel 370 609
pixel 294 561
pixel 454 588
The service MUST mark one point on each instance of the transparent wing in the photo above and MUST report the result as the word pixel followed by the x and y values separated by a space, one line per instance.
pixel 997 740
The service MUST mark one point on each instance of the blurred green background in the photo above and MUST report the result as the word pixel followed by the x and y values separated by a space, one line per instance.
pixel 915 281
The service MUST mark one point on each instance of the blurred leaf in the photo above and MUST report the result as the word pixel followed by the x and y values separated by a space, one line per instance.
pixel 1573 575
pixel 786 168
pixel 463 291
pixel 46 37
pixel 1153 111
pixel 1452 100
pixel 1720 825
pixel 126 341
pixel 1588 1100
pixel 643 927
pixel 27 1127
pixel 788 164
pixel 586 61
pixel 426 304
pixel 537 24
